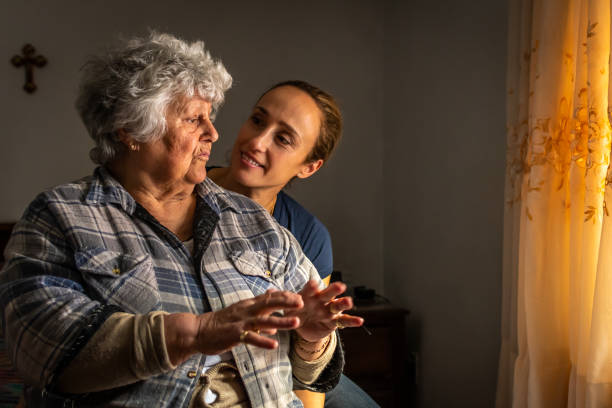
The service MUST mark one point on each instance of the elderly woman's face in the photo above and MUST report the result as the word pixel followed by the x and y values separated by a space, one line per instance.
pixel 181 154
pixel 274 142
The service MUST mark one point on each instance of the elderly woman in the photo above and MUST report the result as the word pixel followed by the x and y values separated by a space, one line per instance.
pixel 148 285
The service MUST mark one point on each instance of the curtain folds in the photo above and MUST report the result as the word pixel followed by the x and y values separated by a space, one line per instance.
pixel 557 268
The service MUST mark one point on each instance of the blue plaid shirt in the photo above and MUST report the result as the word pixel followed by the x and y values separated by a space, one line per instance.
pixel 87 249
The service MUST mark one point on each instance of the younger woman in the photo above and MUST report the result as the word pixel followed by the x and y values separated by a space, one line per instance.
pixel 292 130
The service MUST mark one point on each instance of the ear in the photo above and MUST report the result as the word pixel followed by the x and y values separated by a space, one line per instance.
pixel 310 168
pixel 124 137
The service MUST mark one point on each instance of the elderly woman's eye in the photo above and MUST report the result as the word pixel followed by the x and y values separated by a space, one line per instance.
pixel 256 120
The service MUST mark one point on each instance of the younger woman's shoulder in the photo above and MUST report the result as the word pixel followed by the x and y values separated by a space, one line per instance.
pixel 296 212
pixel 287 203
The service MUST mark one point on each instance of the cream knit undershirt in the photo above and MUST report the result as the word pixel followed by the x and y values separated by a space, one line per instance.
pixel 128 348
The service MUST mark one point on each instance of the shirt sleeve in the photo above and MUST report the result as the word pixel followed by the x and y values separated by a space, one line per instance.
pixel 330 375
pixel 47 317
pixel 127 348
pixel 308 371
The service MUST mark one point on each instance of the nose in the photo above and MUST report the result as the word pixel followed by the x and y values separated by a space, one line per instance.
pixel 209 132
pixel 260 141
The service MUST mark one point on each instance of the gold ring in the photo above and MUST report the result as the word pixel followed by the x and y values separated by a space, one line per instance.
pixel 339 324
pixel 332 309
pixel 243 336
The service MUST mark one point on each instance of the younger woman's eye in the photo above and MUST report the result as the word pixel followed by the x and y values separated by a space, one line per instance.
pixel 284 140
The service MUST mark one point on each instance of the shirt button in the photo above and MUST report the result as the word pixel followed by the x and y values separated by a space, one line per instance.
pixel 268 273
pixel 192 374
pixel 116 271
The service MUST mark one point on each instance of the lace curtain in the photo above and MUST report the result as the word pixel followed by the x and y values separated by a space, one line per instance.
pixel 557 266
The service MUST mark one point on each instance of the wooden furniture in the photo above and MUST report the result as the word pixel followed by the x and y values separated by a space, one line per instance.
pixel 378 361
pixel 5 234
pixel 11 384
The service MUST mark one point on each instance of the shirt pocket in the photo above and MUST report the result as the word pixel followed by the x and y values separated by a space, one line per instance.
pixel 121 279
pixel 261 269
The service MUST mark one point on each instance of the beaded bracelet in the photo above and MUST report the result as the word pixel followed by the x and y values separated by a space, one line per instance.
pixel 299 339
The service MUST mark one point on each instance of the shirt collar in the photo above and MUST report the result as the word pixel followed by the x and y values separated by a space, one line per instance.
pixel 105 189
pixel 218 198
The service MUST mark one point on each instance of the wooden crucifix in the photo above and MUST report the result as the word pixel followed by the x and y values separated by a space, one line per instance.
pixel 29 61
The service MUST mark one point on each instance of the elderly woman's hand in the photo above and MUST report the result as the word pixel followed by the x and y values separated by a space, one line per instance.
pixel 322 312
pixel 243 322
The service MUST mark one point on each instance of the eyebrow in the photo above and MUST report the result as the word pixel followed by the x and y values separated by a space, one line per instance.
pixel 289 128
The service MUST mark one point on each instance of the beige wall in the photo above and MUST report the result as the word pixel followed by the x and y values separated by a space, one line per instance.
pixel 443 171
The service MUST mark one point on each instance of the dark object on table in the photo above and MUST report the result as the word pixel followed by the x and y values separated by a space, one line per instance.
pixel 363 293
pixel 336 276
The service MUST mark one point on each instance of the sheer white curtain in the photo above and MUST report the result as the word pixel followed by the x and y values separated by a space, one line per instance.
pixel 557 301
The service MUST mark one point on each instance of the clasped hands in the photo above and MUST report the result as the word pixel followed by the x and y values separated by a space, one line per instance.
pixel 313 313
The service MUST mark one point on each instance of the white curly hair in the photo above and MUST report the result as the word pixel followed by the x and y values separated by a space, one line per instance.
pixel 132 87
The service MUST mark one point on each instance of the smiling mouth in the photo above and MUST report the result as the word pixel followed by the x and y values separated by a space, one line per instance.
pixel 249 161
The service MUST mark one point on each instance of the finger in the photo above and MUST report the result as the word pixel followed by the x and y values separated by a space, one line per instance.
pixel 343 321
pixel 340 305
pixel 254 339
pixel 272 295
pixel 269 292
pixel 334 308
pixel 310 289
pixel 258 299
pixel 276 300
pixel 272 323
pixel 333 290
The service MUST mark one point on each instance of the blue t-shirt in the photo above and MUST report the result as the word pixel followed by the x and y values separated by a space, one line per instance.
pixel 308 230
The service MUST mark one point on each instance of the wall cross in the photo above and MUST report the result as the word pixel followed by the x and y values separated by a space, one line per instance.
pixel 29 61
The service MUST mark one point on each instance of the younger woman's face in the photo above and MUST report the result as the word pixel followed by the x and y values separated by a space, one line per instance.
pixel 274 142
